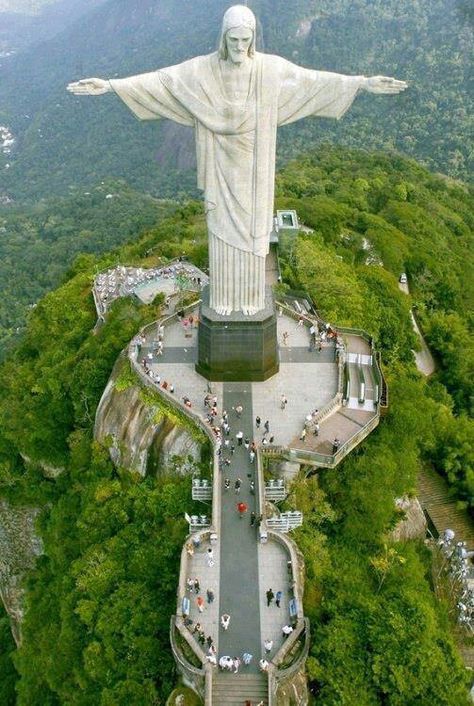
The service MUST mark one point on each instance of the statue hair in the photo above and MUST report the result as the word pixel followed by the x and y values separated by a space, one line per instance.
pixel 237 16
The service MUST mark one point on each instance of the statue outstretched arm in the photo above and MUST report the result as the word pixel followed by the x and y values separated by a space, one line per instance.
pixel 383 84
pixel 89 87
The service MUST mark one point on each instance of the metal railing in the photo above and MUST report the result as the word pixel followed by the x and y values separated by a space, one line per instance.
pixel 275 491
pixel 331 460
pixel 201 489
pixel 286 521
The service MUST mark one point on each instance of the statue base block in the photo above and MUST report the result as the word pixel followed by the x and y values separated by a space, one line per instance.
pixel 237 348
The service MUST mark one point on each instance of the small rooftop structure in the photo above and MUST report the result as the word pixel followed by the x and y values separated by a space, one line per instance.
pixel 287 220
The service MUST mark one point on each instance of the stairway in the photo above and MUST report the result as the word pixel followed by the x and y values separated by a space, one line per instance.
pixel 235 689
pixel 433 494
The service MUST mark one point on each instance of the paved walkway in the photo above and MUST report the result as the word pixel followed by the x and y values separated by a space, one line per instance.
pixel 239 582
pixel 423 358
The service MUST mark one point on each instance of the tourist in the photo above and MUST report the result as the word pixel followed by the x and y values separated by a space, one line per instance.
pixel 212 659
pixel 285 338
pixel 278 597
pixel 209 641
pixel 252 487
pixel 303 434
pixel 247 658
pixel 268 645
pixel 227 484
pixel 238 410
pixel 252 456
pixel 226 662
pixel 270 596
pixel 286 630
pixel 283 402
pixel 263 664
pixel 232 449
pixel 258 421
pixel 237 485
pixel 225 620
pixel 190 585
pixel 247 443
pixel 210 595
pixel 200 603
pixel 335 445
pixel 189 549
pixel 239 436
pixel 253 517
pixel 236 665
pixel 241 509
pixel 316 429
pixel 197 587
pixel 210 556
pixel 267 426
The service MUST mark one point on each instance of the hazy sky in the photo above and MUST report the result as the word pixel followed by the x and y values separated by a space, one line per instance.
pixel 24 6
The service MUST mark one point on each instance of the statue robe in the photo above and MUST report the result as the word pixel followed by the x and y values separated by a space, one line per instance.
pixel 235 145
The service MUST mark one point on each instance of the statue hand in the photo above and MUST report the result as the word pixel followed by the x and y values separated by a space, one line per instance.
pixel 384 84
pixel 89 87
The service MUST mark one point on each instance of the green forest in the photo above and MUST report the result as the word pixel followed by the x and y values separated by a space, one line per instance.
pixel 39 242
pixel 99 600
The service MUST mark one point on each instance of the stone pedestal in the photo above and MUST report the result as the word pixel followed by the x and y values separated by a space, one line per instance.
pixel 237 347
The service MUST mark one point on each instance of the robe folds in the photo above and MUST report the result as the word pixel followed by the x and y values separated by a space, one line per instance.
pixel 236 140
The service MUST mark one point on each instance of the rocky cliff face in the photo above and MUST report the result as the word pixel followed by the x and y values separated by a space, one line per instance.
pixel 19 548
pixel 137 435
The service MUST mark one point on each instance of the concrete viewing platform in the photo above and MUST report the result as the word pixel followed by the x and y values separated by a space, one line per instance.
pixel 308 378
pixel 321 403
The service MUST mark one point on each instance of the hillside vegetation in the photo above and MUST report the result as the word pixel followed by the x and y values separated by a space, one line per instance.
pixel 39 242
pixel 429 43
pixel 99 601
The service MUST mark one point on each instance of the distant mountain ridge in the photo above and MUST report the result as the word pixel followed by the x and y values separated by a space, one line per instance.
pixel 427 42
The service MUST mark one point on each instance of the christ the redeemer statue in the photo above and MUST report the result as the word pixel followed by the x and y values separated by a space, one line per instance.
pixel 235 99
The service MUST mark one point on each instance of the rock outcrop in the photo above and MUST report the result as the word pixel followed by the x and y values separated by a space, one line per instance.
pixel 138 435
pixel 413 525
pixel 19 548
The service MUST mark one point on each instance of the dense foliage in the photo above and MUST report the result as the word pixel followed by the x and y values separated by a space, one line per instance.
pixel 8 674
pixel 427 42
pixel 38 243
pixel 379 634
pixel 99 602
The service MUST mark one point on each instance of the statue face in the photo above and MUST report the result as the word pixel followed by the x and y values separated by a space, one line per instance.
pixel 238 41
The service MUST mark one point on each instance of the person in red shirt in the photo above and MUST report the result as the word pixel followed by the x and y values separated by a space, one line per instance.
pixel 241 509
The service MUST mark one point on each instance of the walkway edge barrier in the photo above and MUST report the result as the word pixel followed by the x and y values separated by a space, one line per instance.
pixel 194 677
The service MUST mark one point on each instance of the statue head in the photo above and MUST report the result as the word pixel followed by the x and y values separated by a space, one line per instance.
pixel 238 34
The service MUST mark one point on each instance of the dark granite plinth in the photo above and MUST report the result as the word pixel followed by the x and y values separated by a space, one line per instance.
pixel 237 347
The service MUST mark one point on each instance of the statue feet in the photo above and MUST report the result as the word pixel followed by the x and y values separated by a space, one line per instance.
pixel 223 310
pixel 250 310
